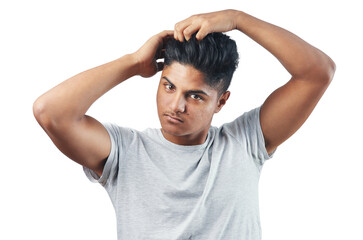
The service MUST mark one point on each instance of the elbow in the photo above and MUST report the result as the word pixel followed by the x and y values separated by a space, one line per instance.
pixel 330 69
pixel 319 70
pixel 40 113
pixel 326 68
pixel 51 117
pixel 46 115
pixel 323 71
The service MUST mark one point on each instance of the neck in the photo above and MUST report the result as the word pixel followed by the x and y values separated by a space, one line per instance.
pixel 186 140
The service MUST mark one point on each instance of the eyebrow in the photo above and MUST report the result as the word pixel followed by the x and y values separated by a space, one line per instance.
pixel 169 81
pixel 188 92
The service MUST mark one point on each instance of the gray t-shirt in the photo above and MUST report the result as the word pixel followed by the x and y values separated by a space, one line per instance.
pixel 161 190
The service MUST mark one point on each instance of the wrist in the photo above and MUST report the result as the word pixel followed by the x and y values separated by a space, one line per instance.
pixel 133 63
pixel 240 19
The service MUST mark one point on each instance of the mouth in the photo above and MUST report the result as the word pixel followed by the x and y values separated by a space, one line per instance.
pixel 173 119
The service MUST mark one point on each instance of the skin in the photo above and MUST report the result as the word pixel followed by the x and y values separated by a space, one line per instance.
pixel 186 104
pixel 288 107
pixel 86 141
pixel 79 136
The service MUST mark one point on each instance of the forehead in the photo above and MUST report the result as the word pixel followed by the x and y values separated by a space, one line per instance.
pixel 186 77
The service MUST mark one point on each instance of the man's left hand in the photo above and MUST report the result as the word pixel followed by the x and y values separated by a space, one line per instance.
pixel 221 21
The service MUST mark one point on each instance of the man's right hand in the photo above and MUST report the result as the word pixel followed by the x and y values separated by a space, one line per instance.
pixel 147 56
pixel 62 110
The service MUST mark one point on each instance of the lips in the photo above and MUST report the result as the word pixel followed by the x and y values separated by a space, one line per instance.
pixel 173 118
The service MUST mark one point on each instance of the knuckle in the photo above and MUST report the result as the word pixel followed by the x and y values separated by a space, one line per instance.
pixel 177 27
pixel 207 23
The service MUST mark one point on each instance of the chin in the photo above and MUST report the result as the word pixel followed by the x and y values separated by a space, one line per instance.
pixel 172 130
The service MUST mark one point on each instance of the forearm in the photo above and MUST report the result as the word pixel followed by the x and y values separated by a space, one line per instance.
pixel 71 99
pixel 297 56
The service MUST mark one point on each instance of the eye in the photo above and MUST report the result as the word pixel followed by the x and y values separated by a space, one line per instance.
pixel 196 97
pixel 169 87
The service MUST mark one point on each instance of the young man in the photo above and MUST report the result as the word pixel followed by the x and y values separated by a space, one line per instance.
pixel 187 180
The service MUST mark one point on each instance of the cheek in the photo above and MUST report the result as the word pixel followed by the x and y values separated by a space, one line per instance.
pixel 202 113
pixel 162 102
pixel 159 99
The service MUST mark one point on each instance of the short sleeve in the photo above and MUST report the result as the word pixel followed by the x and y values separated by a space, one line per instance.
pixel 247 129
pixel 120 137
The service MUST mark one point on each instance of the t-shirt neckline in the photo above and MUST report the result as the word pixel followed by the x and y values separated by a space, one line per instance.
pixel 183 147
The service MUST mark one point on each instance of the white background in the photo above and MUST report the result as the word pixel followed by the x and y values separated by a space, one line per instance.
pixel 311 189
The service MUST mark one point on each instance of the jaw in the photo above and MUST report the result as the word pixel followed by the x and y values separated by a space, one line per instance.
pixel 186 140
pixel 184 134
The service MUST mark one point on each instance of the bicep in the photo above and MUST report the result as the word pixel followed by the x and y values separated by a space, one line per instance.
pixel 86 141
pixel 287 108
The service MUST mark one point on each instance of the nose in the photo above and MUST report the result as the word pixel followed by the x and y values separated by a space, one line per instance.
pixel 178 103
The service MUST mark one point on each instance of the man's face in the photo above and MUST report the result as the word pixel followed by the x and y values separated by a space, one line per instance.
pixel 186 104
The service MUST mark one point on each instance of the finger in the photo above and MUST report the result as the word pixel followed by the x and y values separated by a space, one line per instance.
pixel 159 66
pixel 179 28
pixel 166 33
pixel 188 32
pixel 179 35
pixel 163 38
pixel 175 35
pixel 160 54
pixel 202 33
pixel 167 39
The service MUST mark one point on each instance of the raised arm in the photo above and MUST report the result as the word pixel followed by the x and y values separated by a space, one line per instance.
pixel 61 111
pixel 288 107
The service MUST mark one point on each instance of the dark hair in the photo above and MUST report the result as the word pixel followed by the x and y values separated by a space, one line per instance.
pixel 215 56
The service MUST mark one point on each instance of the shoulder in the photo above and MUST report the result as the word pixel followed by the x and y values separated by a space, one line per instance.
pixel 246 129
pixel 123 137
pixel 247 123
pixel 117 131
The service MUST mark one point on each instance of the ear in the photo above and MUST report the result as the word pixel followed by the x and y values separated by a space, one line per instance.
pixel 222 101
